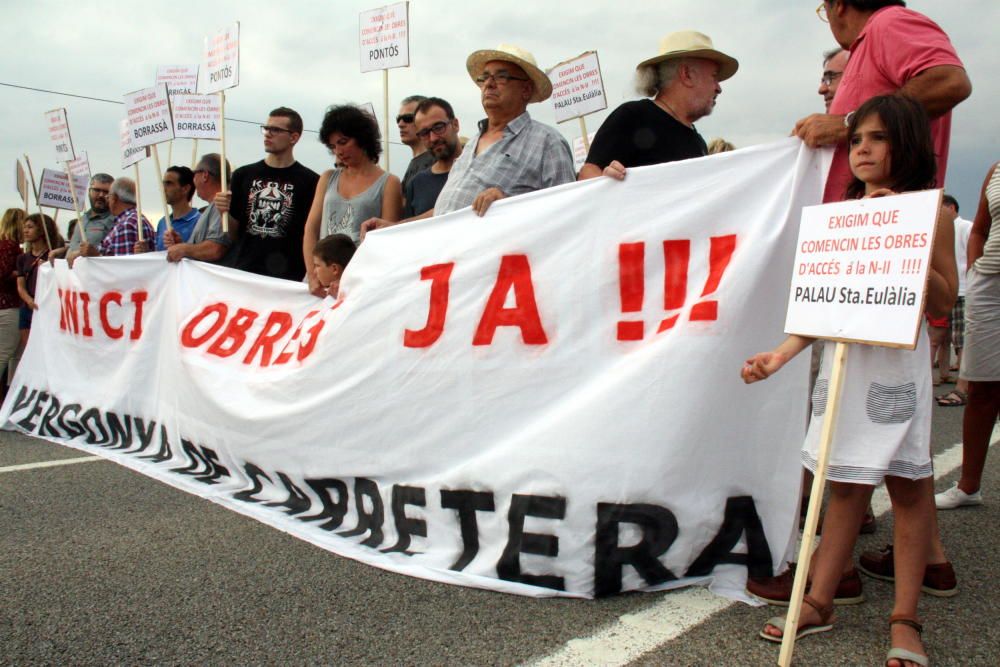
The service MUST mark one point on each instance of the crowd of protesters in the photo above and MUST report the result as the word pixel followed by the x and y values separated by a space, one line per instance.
pixel 888 90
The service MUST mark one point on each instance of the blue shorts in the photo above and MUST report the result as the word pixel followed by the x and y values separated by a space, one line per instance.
pixel 24 318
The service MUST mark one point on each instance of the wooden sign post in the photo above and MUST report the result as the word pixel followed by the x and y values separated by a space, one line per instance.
pixel 860 276
pixel 180 80
pixel 38 201
pixel 131 156
pixel 384 43
pixel 220 69
pixel 149 123
pixel 578 90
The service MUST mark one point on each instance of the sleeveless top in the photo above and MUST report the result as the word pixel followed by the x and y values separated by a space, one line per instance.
pixel 990 261
pixel 344 216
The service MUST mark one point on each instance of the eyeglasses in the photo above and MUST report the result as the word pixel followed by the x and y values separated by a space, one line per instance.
pixel 199 171
pixel 821 12
pixel 437 128
pixel 501 78
pixel 100 191
pixel 829 77
pixel 272 129
pixel 405 118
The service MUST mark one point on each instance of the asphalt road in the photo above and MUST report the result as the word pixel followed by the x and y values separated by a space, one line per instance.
pixel 101 565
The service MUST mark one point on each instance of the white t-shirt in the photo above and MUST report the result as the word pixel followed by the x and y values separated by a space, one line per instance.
pixel 963 228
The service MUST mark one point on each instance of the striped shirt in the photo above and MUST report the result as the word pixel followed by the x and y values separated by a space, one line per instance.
pixel 530 156
pixel 990 260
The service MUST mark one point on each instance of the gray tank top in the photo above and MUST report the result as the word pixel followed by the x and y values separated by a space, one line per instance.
pixel 990 261
pixel 344 216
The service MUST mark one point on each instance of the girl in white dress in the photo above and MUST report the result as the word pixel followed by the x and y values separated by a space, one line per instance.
pixel 883 428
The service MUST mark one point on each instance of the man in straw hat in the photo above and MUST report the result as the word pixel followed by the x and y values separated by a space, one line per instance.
pixel 511 154
pixel 683 82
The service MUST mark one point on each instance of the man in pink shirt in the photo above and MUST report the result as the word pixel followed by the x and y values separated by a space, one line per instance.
pixel 893 49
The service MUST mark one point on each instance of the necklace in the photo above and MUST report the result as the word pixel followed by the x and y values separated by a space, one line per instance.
pixel 670 110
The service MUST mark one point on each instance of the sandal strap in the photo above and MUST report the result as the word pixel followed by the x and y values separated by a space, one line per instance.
pixel 825 612
pixel 910 621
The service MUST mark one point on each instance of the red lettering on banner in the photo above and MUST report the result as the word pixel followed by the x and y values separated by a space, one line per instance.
pixel 111 332
pixel 188 338
pixel 514 274
pixel 307 348
pixel 234 335
pixel 67 311
pixel 138 298
pixel 719 255
pixel 677 258
pixel 85 301
pixel 632 287
pixel 439 275
pixel 278 324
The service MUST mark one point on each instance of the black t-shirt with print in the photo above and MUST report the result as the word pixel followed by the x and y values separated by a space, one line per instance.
pixel 639 133
pixel 271 206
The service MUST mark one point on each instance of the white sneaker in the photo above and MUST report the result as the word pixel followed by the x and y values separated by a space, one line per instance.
pixel 956 497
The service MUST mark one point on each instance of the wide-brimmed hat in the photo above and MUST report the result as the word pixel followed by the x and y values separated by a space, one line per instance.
pixel 691 44
pixel 512 54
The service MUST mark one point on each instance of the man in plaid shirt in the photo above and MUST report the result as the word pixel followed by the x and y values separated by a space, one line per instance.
pixel 123 239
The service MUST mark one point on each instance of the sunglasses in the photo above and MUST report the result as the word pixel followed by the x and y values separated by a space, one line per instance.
pixel 405 118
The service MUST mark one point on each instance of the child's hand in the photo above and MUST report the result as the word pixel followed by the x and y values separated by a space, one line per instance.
pixel 333 289
pixel 761 366
pixel 881 192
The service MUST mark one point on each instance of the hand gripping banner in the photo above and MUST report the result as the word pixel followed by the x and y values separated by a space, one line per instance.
pixel 543 401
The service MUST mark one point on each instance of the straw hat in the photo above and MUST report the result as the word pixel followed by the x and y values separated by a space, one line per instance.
pixel 512 54
pixel 691 44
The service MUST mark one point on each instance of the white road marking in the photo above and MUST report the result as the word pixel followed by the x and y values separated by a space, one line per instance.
pixel 636 634
pixel 49 464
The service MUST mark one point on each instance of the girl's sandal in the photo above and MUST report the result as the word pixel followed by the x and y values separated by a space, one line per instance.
pixel 902 654
pixel 824 625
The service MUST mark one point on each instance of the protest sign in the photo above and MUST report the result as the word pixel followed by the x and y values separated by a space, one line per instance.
pixel 80 170
pixel 148 114
pixel 54 189
pixel 384 37
pixel 58 128
pixel 21 182
pixel 580 149
pixel 517 423
pixel 131 154
pixel 861 269
pixel 179 79
pixel 197 116
pixel 220 63
pixel 577 87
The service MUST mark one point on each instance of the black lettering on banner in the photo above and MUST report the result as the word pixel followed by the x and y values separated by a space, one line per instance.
pixel 467 503
pixel 196 465
pixel 45 426
pixel 407 526
pixel 28 423
pixel 97 435
pixel 23 399
pixel 255 474
pixel 216 469
pixel 145 434
pixel 518 541
pixel 367 521
pixel 333 513
pixel 659 530
pixel 740 518
pixel 121 430
pixel 203 463
pixel 70 428
pixel 165 453
pixel 296 502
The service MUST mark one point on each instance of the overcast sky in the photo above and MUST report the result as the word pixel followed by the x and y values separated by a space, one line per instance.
pixel 305 55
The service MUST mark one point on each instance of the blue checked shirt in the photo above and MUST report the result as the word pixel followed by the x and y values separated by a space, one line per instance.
pixel 530 156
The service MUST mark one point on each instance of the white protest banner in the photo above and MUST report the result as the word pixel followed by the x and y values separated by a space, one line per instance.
pixel 130 153
pixel 197 116
pixel 384 37
pixel 54 190
pixel 21 182
pixel 179 79
pixel 58 127
pixel 861 269
pixel 476 408
pixel 148 114
pixel 577 87
pixel 580 150
pixel 220 62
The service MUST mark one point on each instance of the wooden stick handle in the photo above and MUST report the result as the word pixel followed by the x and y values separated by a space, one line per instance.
pixel 41 213
pixel 163 195
pixel 72 192
pixel 583 133
pixel 138 205
pixel 385 113
pixel 815 503
pixel 222 162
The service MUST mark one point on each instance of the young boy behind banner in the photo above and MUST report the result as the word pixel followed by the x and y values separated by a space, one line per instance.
pixel 330 257
pixel 890 152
